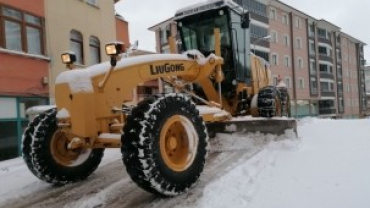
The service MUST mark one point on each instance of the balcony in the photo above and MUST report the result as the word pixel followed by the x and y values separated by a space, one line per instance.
pixel 259 17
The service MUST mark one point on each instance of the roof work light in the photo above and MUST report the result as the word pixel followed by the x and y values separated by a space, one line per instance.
pixel 68 57
pixel 114 48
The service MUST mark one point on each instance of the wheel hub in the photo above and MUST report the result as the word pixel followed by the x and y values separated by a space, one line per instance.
pixel 60 151
pixel 172 143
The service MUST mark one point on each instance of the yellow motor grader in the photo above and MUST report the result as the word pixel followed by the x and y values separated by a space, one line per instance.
pixel 164 138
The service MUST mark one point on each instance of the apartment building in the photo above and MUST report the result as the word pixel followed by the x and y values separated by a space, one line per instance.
pixel 24 64
pixel 367 85
pixel 321 65
pixel 33 35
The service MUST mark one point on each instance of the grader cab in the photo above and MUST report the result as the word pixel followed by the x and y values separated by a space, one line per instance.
pixel 164 138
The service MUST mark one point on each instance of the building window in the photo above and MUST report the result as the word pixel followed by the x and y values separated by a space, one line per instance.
pixel 301 83
pixel 256 7
pixel 272 14
pixel 288 82
pixel 313 86
pixel 297 22
pixel 312 67
pixel 163 36
pixel 311 30
pixel 312 48
pixel 286 40
pixel 327 86
pixel 285 19
pixel 274 59
pixel 300 63
pixel 76 45
pixel 274 37
pixel 94 45
pixel 299 43
pixel 257 31
pixel 22 31
pixel 286 61
pixel 274 80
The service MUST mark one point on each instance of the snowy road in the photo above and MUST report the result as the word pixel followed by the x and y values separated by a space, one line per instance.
pixel 110 185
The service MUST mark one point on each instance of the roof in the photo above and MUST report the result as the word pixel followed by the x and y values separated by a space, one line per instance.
pixel 156 26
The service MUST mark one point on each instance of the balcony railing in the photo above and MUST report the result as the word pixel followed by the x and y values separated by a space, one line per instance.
pixel 325 57
pixel 326 75
pixel 327 93
pixel 327 111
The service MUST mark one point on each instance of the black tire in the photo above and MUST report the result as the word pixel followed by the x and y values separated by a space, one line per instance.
pixel 285 101
pixel 141 145
pixel 37 153
pixel 269 102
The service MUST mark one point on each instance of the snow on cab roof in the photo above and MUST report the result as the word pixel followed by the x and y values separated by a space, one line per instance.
pixel 207 5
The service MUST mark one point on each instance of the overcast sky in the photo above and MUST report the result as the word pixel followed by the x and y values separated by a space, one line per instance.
pixel 353 16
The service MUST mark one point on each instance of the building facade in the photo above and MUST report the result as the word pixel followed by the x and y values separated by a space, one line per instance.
pixel 24 64
pixel 33 35
pixel 83 27
pixel 321 66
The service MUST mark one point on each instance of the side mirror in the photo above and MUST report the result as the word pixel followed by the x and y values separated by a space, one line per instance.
pixel 245 20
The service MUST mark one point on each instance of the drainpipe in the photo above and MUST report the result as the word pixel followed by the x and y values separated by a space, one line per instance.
pixel 293 63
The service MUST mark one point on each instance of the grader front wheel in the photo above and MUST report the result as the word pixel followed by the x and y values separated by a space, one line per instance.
pixel 164 144
pixel 269 102
pixel 47 156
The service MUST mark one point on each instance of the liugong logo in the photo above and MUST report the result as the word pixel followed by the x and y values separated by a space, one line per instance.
pixel 166 68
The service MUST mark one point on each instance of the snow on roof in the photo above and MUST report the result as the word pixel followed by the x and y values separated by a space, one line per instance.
pixel 207 5
pixel 79 80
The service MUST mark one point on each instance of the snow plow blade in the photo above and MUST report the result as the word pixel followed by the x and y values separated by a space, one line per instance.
pixel 266 126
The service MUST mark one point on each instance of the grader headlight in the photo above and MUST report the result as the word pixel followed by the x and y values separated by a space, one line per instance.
pixel 114 49
pixel 68 57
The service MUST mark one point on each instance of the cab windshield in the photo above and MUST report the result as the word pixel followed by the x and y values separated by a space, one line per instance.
pixel 197 32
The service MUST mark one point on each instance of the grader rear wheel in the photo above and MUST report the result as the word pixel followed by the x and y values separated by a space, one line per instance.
pixel 164 144
pixel 47 156
pixel 269 102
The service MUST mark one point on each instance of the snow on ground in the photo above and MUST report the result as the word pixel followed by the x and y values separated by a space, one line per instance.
pixel 327 166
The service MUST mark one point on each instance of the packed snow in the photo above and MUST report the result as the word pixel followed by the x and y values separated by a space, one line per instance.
pixel 326 166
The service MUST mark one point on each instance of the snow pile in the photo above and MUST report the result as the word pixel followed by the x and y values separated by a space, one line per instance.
pixel 327 166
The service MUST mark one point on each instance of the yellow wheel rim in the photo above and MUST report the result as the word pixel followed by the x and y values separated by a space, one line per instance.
pixel 63 155
pixel 178 143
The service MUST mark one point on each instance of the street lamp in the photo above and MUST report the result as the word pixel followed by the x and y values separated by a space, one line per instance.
pixel 258 40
